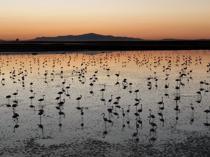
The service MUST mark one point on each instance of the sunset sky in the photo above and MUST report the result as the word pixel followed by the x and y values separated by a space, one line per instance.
pixel 148 19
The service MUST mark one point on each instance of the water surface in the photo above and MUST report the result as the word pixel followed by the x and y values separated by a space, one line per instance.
pixel 146 82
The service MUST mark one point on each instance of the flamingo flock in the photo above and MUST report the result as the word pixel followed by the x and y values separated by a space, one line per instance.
pixel 134 92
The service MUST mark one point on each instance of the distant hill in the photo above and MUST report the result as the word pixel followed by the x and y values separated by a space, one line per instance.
pixel 86 37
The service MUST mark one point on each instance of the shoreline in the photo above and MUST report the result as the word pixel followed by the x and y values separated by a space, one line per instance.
pixel 41 47
pixel 97 147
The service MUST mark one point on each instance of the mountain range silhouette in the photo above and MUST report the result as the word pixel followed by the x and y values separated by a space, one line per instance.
pixel 86 37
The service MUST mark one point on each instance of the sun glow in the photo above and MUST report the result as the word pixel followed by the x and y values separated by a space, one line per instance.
pixel 148 19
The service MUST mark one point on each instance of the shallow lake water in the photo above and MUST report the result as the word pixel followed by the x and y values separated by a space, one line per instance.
pixel 125 98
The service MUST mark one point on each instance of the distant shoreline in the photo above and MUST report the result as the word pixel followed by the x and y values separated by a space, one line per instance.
pixel 43 47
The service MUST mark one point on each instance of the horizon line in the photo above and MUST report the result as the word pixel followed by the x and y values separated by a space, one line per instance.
pixel 115 36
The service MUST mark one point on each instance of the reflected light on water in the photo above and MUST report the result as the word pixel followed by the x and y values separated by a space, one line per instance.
pixel 145 97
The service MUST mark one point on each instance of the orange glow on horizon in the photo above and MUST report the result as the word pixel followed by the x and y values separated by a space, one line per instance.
pixel 153 19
